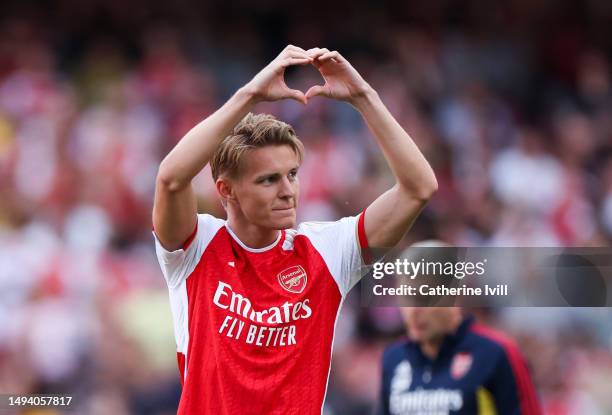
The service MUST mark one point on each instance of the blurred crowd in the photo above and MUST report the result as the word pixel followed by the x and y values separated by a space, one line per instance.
pixel 511 104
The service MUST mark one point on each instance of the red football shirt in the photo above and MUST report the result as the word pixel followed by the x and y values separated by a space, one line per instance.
pixel 254 327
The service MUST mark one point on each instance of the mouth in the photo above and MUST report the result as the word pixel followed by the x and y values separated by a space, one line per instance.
pixel 288 210
pixel 419 326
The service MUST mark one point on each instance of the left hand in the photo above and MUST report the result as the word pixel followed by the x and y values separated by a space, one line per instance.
pixel 342 81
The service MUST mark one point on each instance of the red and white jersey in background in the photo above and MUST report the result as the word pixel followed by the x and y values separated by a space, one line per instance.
pixel 254 327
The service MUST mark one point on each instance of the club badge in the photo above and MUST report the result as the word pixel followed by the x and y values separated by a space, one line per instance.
pixel 462 362
pixel 293 279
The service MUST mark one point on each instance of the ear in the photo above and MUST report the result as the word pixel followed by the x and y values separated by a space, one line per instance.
pixel 225 190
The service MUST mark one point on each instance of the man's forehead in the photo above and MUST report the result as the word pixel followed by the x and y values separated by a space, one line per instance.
pixel 441 312
pixel 270 159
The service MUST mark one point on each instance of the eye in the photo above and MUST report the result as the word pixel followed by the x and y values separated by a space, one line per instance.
pixel 292 174
pixel 268 180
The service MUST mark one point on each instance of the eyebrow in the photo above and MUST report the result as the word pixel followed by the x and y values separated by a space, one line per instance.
pixel 272 175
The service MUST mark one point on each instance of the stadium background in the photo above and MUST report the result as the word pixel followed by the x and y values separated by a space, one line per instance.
pixel 512 105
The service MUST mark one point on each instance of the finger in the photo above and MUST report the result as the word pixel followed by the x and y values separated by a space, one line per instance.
pixel 297 95
pixel 294 48
pixel 313 53
pixel 295 61
pixel 292 51
pixel 318 52
pixel 329 56
pixel 313 91
pixel 297 54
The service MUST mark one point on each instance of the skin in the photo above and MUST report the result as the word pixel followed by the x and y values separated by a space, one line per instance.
pixel 265 196
pixel 428 326
pixel 250 210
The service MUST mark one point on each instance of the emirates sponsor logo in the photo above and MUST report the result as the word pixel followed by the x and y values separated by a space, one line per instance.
pixel 268 327
pixel 227 299
pixel 426 401
pixel 293 279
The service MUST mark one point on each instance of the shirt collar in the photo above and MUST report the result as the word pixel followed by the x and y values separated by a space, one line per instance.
pixel 450 340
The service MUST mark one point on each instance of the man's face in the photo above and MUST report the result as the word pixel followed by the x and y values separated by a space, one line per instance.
pixel 267 189
pixel 425 324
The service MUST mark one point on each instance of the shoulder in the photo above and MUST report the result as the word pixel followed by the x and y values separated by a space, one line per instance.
pixel 318 227
pixel 330 234
pixel 395 352
pixel 496 345
pixel 206 219
pixel 491 338
pixel 336 243
pixel 177 265
pixel 206 228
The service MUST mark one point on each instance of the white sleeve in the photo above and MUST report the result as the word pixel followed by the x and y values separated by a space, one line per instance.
pixel 178 265
pixel 338 244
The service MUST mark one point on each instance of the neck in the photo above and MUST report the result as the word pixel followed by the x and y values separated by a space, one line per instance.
pixel 431 347
pixel 252 235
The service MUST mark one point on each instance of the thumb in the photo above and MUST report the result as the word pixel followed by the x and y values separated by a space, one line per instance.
pixel 297 95
pixel 316 90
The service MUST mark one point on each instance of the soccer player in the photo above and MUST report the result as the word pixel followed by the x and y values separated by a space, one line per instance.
pixel 452 365
pixel 254 300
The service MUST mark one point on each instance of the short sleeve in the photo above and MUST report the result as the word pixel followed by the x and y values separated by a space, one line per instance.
pixel 177 265
pixel 339 245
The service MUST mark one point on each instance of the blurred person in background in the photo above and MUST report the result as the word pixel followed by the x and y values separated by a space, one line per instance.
pixel 450 364
pixel 255 302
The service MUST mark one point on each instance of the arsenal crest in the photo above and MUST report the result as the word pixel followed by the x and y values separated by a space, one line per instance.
pixel 293 279
pixel 462 362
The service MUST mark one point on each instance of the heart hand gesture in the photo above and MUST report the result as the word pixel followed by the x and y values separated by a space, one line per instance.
pixel 269 84
pixel 342 81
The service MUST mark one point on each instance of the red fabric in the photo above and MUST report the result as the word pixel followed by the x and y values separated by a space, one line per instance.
pixel 227 372
pixel 526 391
pixel 180 357
pixel 363 239
pixel 191 238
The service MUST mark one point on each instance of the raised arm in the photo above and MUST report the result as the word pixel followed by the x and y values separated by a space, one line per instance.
pixel 174 209
pixel 390 216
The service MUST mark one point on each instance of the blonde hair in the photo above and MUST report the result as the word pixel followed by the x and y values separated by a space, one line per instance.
pixel 253 131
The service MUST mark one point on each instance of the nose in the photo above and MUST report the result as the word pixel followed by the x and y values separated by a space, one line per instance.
pixel 287 189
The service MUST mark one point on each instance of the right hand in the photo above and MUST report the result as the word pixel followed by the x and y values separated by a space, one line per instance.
pixel 269 84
